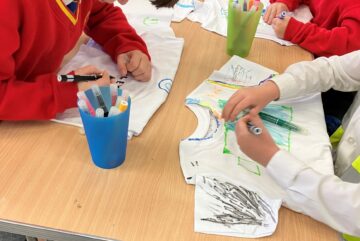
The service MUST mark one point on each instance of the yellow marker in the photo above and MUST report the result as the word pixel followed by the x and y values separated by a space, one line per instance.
pixel 123 105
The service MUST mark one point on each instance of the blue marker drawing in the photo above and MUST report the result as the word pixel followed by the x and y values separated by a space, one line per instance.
pixel 165 84
pixel 182 5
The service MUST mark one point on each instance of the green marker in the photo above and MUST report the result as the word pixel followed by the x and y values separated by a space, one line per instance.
pixel 280 122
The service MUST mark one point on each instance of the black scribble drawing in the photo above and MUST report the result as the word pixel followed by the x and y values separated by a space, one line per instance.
pixel 120 80
pixel 236 205
pixel 196 163
pixel 241 75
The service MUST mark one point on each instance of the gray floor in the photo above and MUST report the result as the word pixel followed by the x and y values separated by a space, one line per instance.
pixel 11 237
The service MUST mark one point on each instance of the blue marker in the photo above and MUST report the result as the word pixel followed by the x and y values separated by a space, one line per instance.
pixel 254 129
pixel 282 15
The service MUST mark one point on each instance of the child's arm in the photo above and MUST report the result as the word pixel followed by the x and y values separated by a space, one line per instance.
pixel 325 198
pixel 326 42
pixel 321 74
pixel 291 4
pixel 37 98
pixel 40 97
pixel 109 27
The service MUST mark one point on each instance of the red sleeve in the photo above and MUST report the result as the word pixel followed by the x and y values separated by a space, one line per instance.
pixel 31 99
pixel 108 26
pixel 326 42
pixel 40 98
pixel 291 4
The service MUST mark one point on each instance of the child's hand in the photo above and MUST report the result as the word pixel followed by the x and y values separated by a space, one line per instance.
pixel 251 97
pixel 89 70
pixel 280 25
pixel 260 148
pixel 135 62
pixel 273 11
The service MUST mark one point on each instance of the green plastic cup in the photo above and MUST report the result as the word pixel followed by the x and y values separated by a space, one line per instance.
pixel 241 28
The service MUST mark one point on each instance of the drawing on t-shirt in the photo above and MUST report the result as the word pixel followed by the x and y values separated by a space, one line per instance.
pixel 241 74
pixel 235 205
pixel 185 5
pixel 165 84
pixel 148 21
pixel 280 135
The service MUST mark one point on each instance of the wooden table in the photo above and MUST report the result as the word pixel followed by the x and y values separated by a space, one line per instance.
pixel 49 187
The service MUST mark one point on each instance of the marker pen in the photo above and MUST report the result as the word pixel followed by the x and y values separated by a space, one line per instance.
pixel 123 106
pixel 113 111
pixel 254 129
pixel 99 112
pixel 82 106
pixel 97 93
pixel 80 78
pixel 113 93
pixel 82 96
pixel 282 15
pixel 280 122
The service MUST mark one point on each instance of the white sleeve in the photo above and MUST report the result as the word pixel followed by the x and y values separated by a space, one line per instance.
pixel 325 198
pixel 337 72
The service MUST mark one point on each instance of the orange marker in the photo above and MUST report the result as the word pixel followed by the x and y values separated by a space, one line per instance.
pixel 251 2
pixel 123 106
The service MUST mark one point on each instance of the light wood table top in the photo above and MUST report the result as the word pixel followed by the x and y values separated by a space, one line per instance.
pixel 48 179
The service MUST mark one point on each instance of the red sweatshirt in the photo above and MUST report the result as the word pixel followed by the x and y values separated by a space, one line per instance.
pixel 35 36
pixel 334 30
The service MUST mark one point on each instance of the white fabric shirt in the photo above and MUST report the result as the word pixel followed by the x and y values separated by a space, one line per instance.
pixel 212 149
pixel 66 2
pixel 324 197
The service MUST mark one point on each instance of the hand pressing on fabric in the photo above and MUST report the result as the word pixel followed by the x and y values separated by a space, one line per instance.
pixel 280 25
pixel 135 62
pixel 261 148
pixel 90 70
pixel 273 11
pixel 253 98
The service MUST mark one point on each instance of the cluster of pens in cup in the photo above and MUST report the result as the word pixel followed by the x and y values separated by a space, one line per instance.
pixel 251 5
pixel 119 103
pixel 105 113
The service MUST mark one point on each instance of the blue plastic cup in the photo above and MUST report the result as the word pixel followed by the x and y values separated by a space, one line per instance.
pixel 106 136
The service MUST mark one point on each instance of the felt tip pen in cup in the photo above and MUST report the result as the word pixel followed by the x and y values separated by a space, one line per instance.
pixel 280 122
pixel 99 112
pixel 82 96
pixel 114 111
pixel 82 106
pixel 123 105
pixel 254 129
pixel 80 78
pixel 97 93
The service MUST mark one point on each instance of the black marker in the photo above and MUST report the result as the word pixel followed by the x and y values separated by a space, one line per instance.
pixel 79 78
